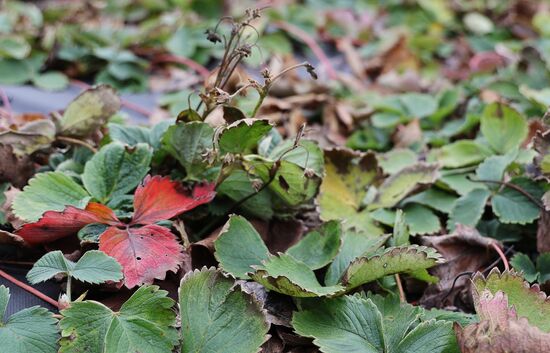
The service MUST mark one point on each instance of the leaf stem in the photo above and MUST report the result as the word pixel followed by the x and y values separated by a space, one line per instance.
pixel 515 187
pixel 502 255
pixel 29 289
pixel 74 141
pixel 402 296
pixel 69 287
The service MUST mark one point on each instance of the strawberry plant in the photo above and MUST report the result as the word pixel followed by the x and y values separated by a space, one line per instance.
pixel 393 198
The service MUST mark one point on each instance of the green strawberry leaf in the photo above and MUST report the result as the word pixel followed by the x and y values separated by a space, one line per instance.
pixel 242 136
pixel 393 260
pixel 395 160
pixel 399 185
pixel 434 198
pixel 357 324
pixel 513 206
pixel 522 263
pixel 30 330
pixel 493 167
pixel 353 246
pixel 503 127
pixel 460 153
pixel 93 267
pixel 286 275
pixel 143 324
pixel 238 185
pixel 132 135
pixel 288 182
pixel 307 155
pixel 189 143
pixel 218 316
pixel 421 220
pixel 234 258
pixel 469 208
pixel 115 170
pixel 318 247
pixel 51 191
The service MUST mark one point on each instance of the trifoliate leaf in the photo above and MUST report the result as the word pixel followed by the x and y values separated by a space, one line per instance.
pixel 286 275
pixel 90 110
pixel 513 206
pixel 469 208
pixel 353 245
pixel 399 185
pixel 143 324
pixel 348 175
pixel 235 258
pixel 93 267
pixel 48 191
pixel 116 170
pixel 529 301
pixel 217 316
pixel 242 136
pixel 503 127
pixel 189 143
pixel 319 247
pixel 460 153
pixel 30 330
pixel 356 324
pixel 393 260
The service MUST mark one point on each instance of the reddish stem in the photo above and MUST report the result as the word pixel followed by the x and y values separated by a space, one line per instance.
pixel 132 106
pixel 311 43
pixel 29 289
pixel 502 255
pixel 168 58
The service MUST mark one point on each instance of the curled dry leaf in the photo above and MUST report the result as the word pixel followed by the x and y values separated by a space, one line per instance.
pixel 464 250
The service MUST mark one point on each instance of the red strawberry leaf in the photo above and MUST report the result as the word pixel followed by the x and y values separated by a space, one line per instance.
pixel 56 225
pixel 159 198
pixel 145 253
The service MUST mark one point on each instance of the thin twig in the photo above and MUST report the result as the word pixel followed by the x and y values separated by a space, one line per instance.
pixel 310 42
pixel 29 289
pixel 74 141
pixel 402 296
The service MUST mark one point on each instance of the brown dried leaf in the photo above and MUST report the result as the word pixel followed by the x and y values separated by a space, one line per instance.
pixel 464 250
pixel 15 169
